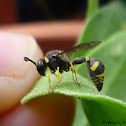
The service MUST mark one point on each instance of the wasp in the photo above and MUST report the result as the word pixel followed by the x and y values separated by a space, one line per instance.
pixel 60 61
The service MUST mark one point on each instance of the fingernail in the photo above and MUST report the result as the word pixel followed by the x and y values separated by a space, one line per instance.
pixel 16 76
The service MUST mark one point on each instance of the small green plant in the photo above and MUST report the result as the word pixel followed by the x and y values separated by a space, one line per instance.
pixel 106 24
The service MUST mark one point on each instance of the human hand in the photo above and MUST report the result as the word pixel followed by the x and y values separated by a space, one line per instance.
pixel 17 78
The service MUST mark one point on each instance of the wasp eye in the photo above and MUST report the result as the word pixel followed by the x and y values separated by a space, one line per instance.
pixel 41 67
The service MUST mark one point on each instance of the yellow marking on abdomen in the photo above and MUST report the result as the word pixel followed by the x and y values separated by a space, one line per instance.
pixel 96 82
pixel 101 75
pixel 101 78
pixel 101 81
pixel 95 65
pixel 47 60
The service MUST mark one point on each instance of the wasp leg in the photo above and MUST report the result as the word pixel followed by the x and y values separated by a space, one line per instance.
pixel 52 72
pixel 58 82
pixel 58 76
pixel 49 82
pixel 59 79
pixel 74 72
pixel 61 76
pixel 76 82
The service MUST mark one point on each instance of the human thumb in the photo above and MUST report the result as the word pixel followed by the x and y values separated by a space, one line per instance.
pixel 16 76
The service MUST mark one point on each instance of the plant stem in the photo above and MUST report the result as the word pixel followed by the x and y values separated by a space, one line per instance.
pixel 92 7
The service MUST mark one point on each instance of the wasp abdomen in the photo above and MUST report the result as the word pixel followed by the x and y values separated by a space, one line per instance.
pixel 96 71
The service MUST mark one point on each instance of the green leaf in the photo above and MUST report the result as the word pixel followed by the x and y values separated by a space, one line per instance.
pixel 92 7
pixel 112 54
pixel 88 94
pixel 66 86
pixel 103 110
pixel 80 118
pixel 120 8
pixel 94 103
pixel 100 26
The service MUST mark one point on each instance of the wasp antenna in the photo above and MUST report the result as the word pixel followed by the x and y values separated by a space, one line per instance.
pixel 27 59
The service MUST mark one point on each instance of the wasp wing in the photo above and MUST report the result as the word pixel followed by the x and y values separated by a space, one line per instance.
pixel 83 46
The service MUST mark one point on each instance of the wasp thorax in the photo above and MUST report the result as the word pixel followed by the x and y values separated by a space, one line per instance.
pixel 41 67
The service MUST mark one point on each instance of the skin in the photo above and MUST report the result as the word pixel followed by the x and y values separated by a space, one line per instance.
pixel 18 77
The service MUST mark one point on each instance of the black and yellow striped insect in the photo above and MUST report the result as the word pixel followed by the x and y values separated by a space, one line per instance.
pixel 95 69
pixel 60 60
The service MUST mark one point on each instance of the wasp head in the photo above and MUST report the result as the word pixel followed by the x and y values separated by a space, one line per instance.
pixel 41 65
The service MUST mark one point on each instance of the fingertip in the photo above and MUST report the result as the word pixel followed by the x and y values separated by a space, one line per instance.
pixel 17 77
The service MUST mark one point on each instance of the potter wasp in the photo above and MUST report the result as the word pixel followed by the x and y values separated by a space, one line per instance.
pixel 58 60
